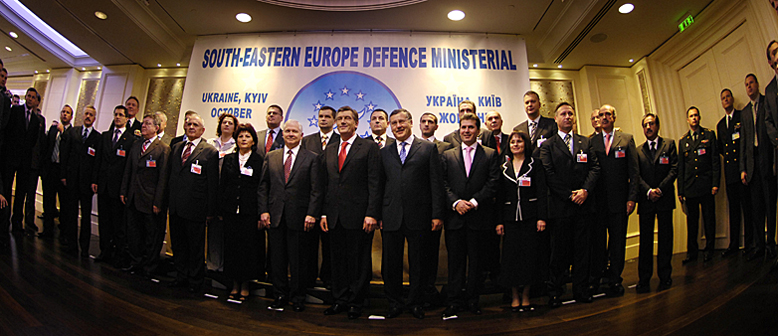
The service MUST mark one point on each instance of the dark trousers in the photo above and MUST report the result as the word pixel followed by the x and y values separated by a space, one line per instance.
pixel 467 250
pixel 112 226
pixel 187 239
pixel 291 253
pixel 429 268
pixel 352 265
pixel 77 198
pixel 608 260
pixel 693 205
pixel 664 249
pixel 24 196
pixel 324 272
pixel 570 235
pixel 52 187
pixel 759 198
pixel 145 236
pixel 392 264
pixel 739 201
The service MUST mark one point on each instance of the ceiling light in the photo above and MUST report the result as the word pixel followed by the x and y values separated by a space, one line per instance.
pixel 243 17
pixel 99 68
pixel 14 35
pixel 100 15
pixel 626 8
pixel 178 64
pixel 534 65
pixel 82 69
pixel 159 65
pixel 36 71
pixel 631 60
pixel 456 15
pixel 47 70
pixel 559 66
pixel 8 48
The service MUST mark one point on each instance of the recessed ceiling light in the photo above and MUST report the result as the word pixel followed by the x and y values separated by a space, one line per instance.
pixel 534 65
pixel 82 69
pixel 631 60
pixel 243 17
pixel 36 71
pixel 559 66
pixel 14 35
pixel 8 48
pixel 99 68
pixel 100 15
pixel 47 70
pixel 456 15
pixel 178 64
pixel 626 8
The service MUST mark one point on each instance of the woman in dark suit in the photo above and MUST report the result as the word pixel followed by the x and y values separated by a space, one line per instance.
pixel 244 250
pixel 522 195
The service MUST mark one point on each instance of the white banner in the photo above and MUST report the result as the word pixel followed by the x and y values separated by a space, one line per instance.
pixel 245 74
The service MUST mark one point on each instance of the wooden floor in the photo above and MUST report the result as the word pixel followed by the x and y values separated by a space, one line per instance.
pixel 45 292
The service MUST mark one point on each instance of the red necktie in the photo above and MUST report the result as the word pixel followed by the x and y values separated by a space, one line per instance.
pixel 187 152
pixel 607 143
pixel 288 165
pixel 342 155
pixel 269 142
pixel 497 138
pixel 146 145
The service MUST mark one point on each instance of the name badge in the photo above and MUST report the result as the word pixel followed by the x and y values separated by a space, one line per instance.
pixel 664 160
pixel 735 136
pixel 525 181
pixel 248 171
pixel 582 158
pixel 701 151
pixel 621 154
pixel 222 154
pixel 541 141
pixel 90 151
pixel 151 163
pixel 120 152
pixel 196 169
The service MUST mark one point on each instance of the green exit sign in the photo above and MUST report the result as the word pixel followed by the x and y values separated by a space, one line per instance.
pixel 686 23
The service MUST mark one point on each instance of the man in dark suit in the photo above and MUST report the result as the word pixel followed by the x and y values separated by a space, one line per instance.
pixel 756 174
pixel 115 146
pixel 699 172
pixel 658 159
pixel 728 145
pixel 5 112
pixel 352 206
pixel 771 123
pixel 23 148
pixel 194 180
pixel 413 207
pixel 143 191
pixel 379 122
pixel 493 137
pixel 166 138
pixel 316 143
pixel 428 124
pixel 133 125
pixel 538 127
pixel 181 137
pixel 271 138
pixel 572 172
pixel 51 171
pixel 289 198
pixel 463 107
pixel 470 174
pixel 79 155
pixel 615 196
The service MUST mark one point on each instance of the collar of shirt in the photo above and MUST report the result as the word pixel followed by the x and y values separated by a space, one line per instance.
pixel 65 127
pixel 194 142
pixel 349 141
pixel 151 141
pixel 160 135
pixel 328 135
pixel 753 103
pixel 536 120
pixel 430 139
pixel 408 142
pixel 604 134
pixel 243 158
pixel 90 128
pixel 276 132
pixel 653 143
pixel 383 137
pixel 295 150
pixel 563 134
pixel 474 146
pixel 121 130
pixel 223 146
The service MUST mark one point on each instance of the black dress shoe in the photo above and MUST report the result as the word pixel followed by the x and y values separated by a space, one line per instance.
pixel 615 290
pixel 194 289
pixel 418 312
pixel 708 256
pixel 335 309
pixel 178 284
pixel 450 312
pixel 664 284
pixel 354 313
pixel 757 254
pixel 394 312
pixel 298 307
pixel 729 252
pixel 554 301
pixel 583 298
pixel 278 304
pixel 642 289
pixel 688 260
pixel 99 258
pixel 474 308
pixel 84 254
pixel 517 309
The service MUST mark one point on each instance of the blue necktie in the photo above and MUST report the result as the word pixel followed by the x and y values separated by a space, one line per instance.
pixel 402 152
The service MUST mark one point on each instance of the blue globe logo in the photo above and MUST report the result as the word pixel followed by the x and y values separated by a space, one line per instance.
pixel 362 92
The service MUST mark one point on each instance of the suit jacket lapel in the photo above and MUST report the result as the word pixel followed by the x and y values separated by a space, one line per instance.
pixel 298 161
pixel 352 151
pixel 195 152
pixel 615 141
pixel 561 144
pixel 153 145
pixel 414 148
pixel 508 172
